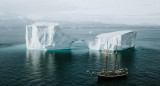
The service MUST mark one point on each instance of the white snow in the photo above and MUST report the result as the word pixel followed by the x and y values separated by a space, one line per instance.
pixel 47 36
pixel 119 39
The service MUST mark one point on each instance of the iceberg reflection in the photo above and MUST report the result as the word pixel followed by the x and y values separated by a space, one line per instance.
pixel 124 59
pixel 39 61
pixel 47 64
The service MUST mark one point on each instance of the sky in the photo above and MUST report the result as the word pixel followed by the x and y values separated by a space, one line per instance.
pixel 106 11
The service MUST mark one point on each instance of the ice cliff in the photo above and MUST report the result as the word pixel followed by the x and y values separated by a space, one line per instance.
pixel 119 39
pixel 47 36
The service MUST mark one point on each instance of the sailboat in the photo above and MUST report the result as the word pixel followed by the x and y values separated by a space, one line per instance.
pixel 115 73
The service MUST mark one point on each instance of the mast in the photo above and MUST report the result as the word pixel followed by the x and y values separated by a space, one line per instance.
pixel 116 57
pixel 106 58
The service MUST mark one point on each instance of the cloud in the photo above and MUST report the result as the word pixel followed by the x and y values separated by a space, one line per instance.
pixel 91 10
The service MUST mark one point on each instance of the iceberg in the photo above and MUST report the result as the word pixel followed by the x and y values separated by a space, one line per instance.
pixel 119 40
pixel 47 36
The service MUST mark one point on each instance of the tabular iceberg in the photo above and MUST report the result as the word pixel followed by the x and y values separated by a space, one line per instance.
pixel 47 36
pixel 119 39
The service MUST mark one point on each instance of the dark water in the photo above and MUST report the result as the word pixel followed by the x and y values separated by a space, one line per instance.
pixel 19 66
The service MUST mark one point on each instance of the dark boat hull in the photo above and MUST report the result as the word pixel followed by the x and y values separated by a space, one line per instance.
pixel 111 77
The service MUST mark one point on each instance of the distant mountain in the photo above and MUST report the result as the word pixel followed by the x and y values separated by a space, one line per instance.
pixel 15 22
pixel 22 22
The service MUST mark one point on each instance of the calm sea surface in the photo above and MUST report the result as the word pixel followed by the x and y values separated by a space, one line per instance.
pixel 19 66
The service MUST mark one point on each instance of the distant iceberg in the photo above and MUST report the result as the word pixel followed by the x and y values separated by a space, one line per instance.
pixel 49 36
pixel 119 39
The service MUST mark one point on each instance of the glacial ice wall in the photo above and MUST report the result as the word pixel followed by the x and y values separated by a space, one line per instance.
pixel 110 41
pixel 47 36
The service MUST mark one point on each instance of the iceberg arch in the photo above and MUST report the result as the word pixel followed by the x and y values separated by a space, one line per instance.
pixel 49 36
pixel 79 44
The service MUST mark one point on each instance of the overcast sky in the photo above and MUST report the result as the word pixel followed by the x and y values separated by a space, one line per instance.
pixel 107 11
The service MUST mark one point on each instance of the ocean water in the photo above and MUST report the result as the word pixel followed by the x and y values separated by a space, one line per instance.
pixel 68 67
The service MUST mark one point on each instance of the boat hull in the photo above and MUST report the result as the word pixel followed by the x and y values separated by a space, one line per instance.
pixel 111 76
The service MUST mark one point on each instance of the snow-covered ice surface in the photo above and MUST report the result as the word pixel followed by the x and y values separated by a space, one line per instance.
pixel 119 39
pixel 47 36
